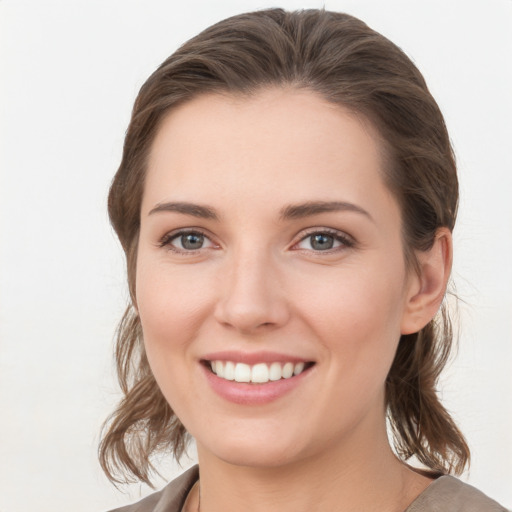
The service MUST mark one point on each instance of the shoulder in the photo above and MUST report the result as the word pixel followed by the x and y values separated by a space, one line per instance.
pixel 169 499
pixel 450 493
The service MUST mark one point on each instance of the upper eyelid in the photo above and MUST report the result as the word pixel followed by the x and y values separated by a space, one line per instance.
pixel 181 231
pixel 331 231
pixel 321 229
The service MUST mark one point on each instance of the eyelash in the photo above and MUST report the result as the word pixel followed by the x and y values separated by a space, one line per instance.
pixel 167 239
pixel 344 240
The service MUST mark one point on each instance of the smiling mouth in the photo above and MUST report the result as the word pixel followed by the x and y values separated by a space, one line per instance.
pixel 260 373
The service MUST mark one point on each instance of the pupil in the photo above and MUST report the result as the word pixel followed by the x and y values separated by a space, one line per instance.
pixel 322 242
pixel 192 241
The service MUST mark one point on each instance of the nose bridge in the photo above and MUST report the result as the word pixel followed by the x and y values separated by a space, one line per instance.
pixel 252 293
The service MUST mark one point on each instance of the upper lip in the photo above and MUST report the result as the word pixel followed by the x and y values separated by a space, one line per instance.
pixel 252 358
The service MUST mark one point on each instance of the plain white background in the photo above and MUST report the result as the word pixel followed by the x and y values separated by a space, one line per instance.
pixel 69 72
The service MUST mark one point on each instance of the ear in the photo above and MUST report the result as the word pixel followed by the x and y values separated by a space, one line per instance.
pixel 426 288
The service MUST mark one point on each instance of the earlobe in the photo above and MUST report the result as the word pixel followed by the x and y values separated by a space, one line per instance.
pixel 427 289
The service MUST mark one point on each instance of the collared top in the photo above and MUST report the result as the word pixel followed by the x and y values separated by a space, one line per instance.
pixel 445 494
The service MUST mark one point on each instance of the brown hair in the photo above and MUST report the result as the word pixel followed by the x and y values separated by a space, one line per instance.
pixel 343 60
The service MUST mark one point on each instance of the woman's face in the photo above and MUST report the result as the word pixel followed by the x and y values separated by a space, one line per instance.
pixel 270 245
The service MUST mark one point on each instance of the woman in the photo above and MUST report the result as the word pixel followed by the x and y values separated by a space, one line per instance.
pixel 285 201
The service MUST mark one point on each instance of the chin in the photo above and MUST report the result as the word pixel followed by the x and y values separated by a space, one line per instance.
pixel 258 458
pixel 263 452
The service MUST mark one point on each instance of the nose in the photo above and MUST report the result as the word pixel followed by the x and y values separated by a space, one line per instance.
pixel 252 296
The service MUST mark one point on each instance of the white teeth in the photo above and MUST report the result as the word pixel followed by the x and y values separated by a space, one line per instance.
pixel 229 370
pixel 242 372
pixel 219 368
pixel 299 368
pixel 275 371
pixel 287 370
pixel 259 373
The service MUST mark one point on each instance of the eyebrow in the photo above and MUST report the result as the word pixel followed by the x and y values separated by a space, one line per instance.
pixel 299 211
pixel 195 210
pixel 293 211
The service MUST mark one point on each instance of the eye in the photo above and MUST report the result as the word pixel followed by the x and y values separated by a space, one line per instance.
pixel 324 241
pixel 186 241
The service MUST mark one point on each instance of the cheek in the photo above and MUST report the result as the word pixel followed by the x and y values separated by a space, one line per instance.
pixel 357 316
pixel 169 309
pixel 361 300
pixel 171 303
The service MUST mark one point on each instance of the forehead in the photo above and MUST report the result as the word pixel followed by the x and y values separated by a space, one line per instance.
pixel 282 142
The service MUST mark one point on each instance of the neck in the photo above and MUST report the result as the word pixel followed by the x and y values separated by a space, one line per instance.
pixel 365 476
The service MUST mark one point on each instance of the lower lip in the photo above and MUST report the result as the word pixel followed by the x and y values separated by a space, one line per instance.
pixel 253 394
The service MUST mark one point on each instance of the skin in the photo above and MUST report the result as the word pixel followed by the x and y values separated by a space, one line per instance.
pixel 258 284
